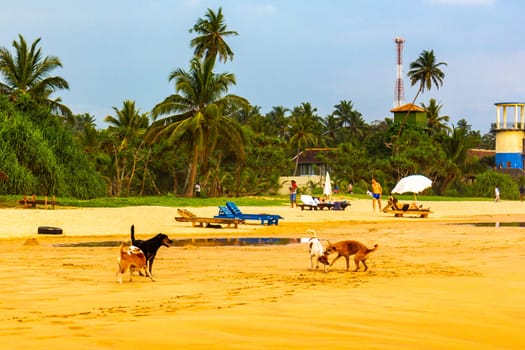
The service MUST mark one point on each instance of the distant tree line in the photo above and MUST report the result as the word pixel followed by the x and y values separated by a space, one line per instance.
pixel 201 133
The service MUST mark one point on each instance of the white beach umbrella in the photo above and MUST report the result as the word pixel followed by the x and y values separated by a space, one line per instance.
pixel 413 184
pixel 327 190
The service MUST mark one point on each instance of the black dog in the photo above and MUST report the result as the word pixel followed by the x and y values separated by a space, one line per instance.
pixel 150 246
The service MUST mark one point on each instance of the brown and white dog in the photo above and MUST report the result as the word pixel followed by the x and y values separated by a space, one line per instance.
pixel 133 259
pixel 347 248
pixel 316 250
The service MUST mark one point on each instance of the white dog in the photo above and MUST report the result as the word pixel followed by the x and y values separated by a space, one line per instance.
pixel 316 249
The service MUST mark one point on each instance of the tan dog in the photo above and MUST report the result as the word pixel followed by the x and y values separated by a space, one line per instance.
pixel 347 248
pixel 132 259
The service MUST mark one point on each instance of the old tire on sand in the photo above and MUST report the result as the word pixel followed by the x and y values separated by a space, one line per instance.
pixel 49 230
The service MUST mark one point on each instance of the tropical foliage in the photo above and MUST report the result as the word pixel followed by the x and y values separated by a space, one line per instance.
pixel 43 157
pixel 27 73
pixel 203 133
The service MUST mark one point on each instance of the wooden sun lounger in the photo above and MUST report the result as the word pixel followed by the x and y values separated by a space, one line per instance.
pixel 398 209
pixel 423 213
pixel 323 205
pixel 308 203
pixel 196 221
pixel 304 206
pixel 33 201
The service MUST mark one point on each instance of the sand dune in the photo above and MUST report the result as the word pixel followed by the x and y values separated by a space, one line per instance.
pixel 435 283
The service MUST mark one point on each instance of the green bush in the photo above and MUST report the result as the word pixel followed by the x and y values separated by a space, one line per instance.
pixel 485 183
pixel 43 158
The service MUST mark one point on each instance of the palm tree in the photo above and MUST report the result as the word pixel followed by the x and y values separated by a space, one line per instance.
pixel 195 113
pixel 84 128
pixel 28 73
pixel 437 124
pixel 350 120
pixel 246 113
pixel 332 131
pixel 211 31
pixel 129 122
pixel 128 127
pixel 305 127
pixel 278 120
pixel 425 72
pixel 80 122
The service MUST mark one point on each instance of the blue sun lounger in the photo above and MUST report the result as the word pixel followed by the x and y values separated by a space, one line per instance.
pixel 225 212
pixel 232 211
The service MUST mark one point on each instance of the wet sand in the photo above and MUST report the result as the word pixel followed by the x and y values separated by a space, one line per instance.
pixel 435 283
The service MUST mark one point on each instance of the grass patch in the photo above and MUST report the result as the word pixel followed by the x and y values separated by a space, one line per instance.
pixel 11 201
pixel 8 201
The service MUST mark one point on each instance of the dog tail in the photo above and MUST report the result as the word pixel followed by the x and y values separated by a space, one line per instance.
pixel 132 234
pixel 119 259
pixel 371 250
pixel 313 232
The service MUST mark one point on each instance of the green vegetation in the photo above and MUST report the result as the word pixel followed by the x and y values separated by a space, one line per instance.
pixel 202 133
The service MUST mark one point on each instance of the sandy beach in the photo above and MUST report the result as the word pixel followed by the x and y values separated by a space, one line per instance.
pixel 454 280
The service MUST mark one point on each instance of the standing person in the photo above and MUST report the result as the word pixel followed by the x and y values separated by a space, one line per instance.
pixel 293 193
pixel 522 192
pixel 377 192
pixel 198 190
pixel 350 189
pixel 496 193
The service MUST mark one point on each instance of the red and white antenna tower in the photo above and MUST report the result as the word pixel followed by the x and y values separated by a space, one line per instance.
pixel 400 90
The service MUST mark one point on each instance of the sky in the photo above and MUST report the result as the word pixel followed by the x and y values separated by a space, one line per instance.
pixel 286 53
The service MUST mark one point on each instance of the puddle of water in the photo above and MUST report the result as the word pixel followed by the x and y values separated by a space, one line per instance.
pixel 201 242
pixel 495 224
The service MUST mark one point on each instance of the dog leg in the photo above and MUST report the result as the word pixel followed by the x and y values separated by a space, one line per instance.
pixel 364 263
pixel 145 273
pixel 119 271
pixel 333 261
pixel 119 276
pixel 150 276
pixel 150 265
pixel 148 273
pixel 347 258
pixel 360 258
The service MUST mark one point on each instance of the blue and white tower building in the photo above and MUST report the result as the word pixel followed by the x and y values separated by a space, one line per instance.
pixel 510 135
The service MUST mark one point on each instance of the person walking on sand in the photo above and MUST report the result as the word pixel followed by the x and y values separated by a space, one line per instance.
pixel 293 194
pixel 377 192
pixel 496 193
